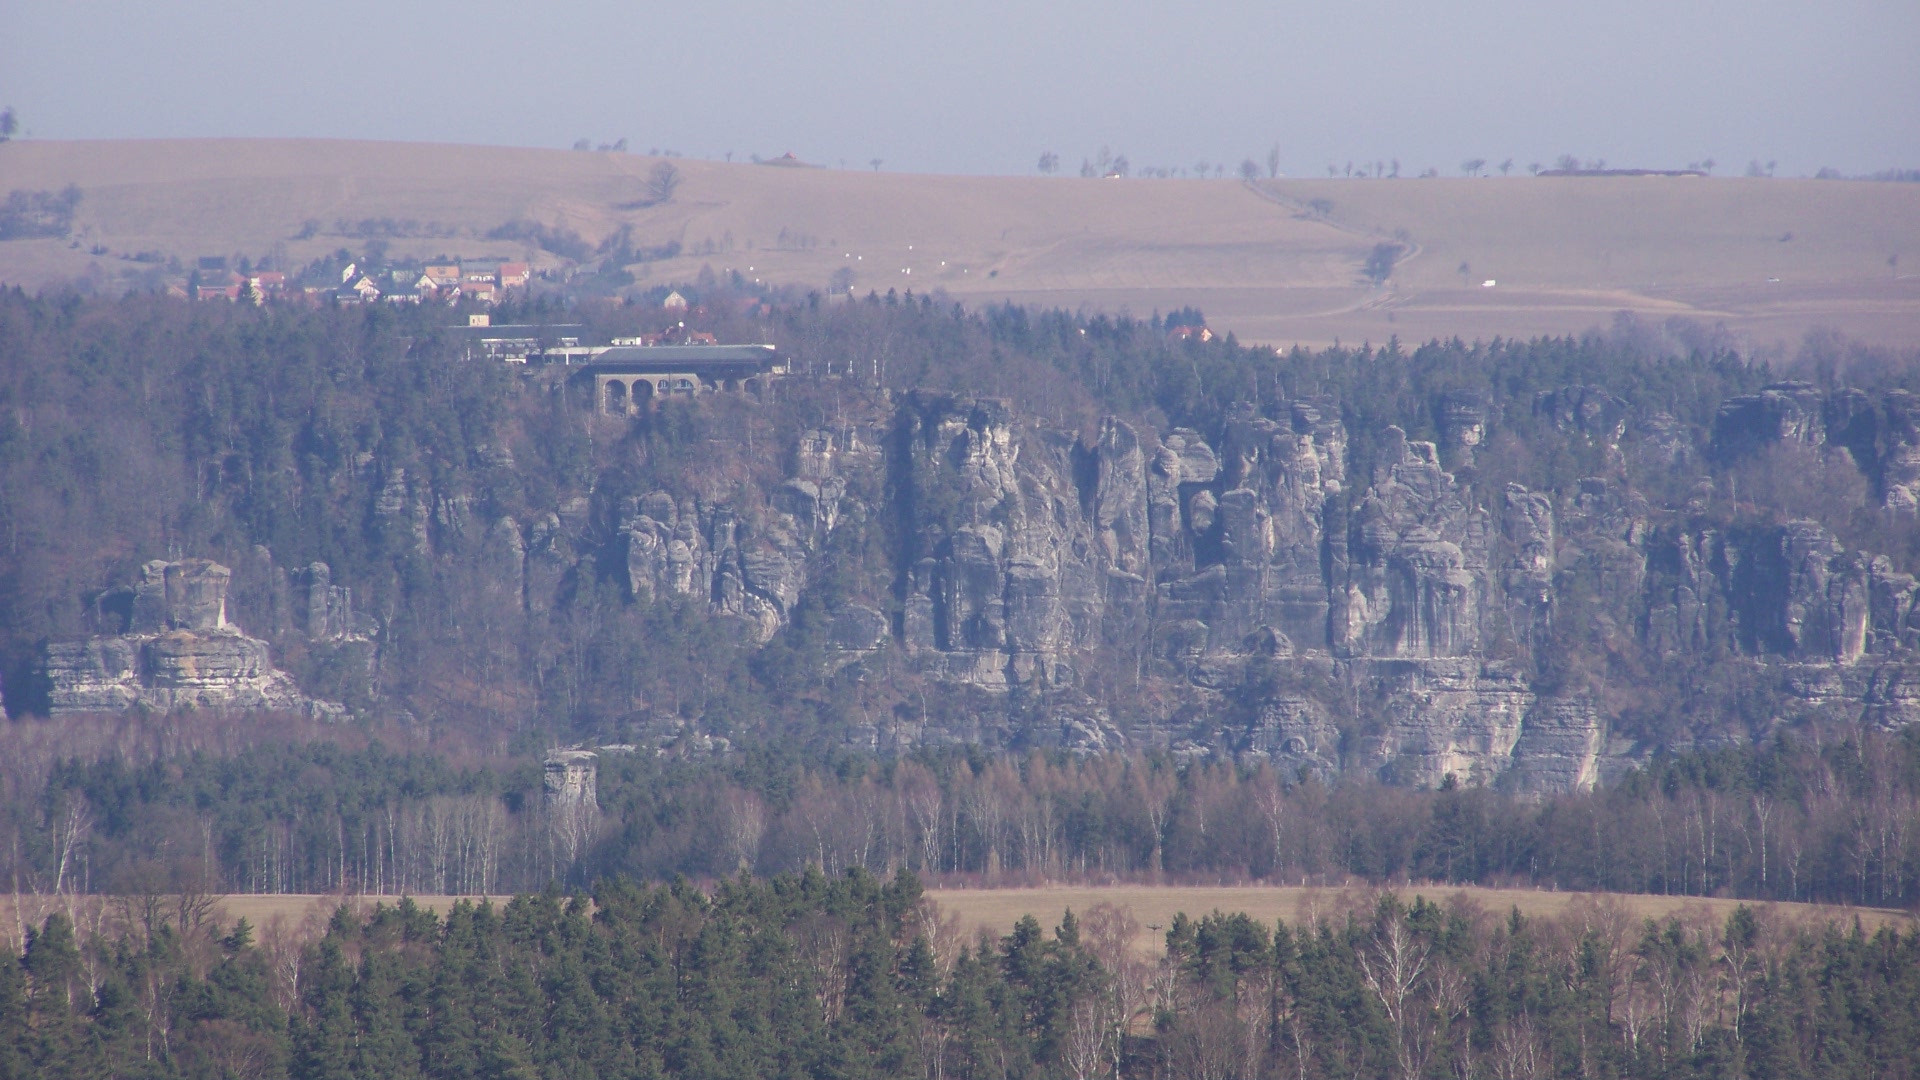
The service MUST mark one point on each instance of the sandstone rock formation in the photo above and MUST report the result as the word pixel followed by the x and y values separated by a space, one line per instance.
pixel 1882 434
pixel 178 651
pixel 1404 618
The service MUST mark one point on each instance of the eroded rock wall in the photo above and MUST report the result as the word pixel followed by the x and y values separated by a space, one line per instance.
pixel 176 649
pixel 1247 590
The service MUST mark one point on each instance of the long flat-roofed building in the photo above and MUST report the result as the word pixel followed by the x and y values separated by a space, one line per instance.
pixel 629 378
pixel 516 343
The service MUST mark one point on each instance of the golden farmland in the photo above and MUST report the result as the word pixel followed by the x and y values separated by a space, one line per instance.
pixel 1768 259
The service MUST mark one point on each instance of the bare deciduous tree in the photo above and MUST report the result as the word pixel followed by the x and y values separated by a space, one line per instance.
pixel 662 181
pixel 1393 966
pixel 920 791
pixel 826 943
pixel 1089 1032
pixel 746 824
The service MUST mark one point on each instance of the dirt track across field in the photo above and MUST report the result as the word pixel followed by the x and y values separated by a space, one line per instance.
pixel 1276 261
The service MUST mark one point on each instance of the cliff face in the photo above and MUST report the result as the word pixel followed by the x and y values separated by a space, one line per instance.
pixel 1407 622
pixel 178 651
pixel 1280 588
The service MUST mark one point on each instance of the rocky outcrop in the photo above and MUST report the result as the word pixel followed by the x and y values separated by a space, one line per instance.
pixel 322 610
pixel 1792 591
pixel 570 780
pixel 1407 578
pixel 751 563
pixel 1461 416
pixel 176 649
pixel 1586 410
pixel 1000 579
pixel 1461 717
pixel 1881 433
pixel 1239 573
pixel 1526 523
pixel 1407 620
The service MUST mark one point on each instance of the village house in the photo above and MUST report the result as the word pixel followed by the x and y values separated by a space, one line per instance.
pixel 361 290
pixel 485 283
pixel 484 291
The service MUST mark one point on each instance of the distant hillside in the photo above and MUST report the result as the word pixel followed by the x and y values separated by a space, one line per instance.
pixel 1279 261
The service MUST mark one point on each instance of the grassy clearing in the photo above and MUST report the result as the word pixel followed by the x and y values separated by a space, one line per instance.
pixel 996 910
pixel 296 915
pixel 304 915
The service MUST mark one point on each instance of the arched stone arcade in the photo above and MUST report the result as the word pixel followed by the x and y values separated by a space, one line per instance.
pixel 625 395
pixel 631 379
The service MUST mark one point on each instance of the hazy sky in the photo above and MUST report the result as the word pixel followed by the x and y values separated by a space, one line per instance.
pixel 985 87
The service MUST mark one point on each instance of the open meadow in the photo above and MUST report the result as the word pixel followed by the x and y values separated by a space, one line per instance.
pixel 1153 907
pixel 1275 261
pixel 997 910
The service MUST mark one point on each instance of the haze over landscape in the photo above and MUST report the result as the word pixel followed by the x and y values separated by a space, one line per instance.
pixel 949 104
pixel 986 87
pixel 979 540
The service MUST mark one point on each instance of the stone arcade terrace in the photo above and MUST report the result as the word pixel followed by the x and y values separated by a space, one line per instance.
pixel 627 379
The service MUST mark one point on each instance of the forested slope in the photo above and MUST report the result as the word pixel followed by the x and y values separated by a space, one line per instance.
pixel 1098 587
pixel 1119 538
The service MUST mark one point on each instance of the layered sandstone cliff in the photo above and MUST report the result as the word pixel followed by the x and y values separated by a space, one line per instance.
pixel 1418 609
pixel 1263 591
pixel 176 649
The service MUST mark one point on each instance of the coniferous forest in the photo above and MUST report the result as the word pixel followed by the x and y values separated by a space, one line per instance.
pixel 810 976
pixel 451 554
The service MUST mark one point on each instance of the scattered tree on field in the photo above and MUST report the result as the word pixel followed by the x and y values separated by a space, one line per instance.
pixel 8 123
pixel 1380 262
pixel 1249 170
pixel 662 182
pixel 1049 163
pixel 1472 166
pixel 1273 162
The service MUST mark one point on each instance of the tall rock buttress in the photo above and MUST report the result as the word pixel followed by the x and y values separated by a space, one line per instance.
pixel 178 651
